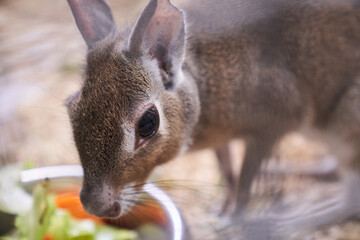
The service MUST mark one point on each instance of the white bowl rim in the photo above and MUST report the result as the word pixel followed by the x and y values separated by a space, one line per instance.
pixel 75 172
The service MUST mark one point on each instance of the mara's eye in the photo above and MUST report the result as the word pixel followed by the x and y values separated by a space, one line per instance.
pixel 149 123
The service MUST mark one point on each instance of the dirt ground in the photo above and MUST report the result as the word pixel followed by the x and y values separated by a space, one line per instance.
pixel 41 57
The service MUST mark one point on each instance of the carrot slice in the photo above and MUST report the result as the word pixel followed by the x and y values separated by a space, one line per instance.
pixel 147 212
pixel 71 202
pixel 48 237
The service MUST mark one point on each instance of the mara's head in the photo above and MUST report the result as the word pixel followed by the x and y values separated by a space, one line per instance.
pixel 132 111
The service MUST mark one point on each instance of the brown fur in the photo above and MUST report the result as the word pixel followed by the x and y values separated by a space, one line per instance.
pixel 252 69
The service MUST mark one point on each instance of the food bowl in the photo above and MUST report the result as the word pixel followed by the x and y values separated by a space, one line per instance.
pixel 62 177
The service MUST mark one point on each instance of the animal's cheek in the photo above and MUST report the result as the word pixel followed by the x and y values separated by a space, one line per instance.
pixel 174 116
pixel 135 169
pixel 167 148
pixel 172 128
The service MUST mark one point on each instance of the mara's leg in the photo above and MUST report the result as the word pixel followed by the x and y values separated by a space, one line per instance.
pixel 224 158
pixel 344 140
pixel 345 124
pixel 257 149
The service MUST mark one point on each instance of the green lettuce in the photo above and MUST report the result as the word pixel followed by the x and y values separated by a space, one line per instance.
pixel 45 222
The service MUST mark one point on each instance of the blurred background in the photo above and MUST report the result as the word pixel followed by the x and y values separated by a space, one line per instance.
pixel 41 59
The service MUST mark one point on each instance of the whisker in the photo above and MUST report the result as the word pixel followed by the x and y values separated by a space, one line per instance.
pixel 43 108
pixel 169 186
pixel 48 91
pixel 176 197
pixel 164 183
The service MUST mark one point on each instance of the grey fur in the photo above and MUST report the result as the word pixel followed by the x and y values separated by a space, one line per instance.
pixel 137 36
pixel 94 20
pixel 252 69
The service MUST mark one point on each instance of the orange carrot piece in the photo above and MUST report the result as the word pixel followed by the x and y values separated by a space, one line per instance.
pixel 148 212
pixel 71 202
pixel 48 237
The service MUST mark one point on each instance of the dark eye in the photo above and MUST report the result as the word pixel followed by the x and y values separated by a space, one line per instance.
pixel 149 123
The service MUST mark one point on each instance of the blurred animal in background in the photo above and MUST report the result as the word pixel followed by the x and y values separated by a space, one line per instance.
pixel 183 79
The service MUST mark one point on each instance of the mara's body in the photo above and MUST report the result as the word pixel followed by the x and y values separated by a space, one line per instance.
pixel 281 64
pixel 231 69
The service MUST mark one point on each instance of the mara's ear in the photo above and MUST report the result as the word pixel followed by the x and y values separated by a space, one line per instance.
pixel 160 30
pixel 94 20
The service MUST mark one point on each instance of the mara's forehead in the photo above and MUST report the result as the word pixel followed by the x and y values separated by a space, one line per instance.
pixel 113 80
pixel 110 65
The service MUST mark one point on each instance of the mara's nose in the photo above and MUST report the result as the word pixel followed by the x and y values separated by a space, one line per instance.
pixel 99 204
pixel 113 211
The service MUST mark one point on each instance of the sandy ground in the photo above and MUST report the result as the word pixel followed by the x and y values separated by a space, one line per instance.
pixel 41 55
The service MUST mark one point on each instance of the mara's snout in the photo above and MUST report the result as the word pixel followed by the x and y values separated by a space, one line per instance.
pixel 101 202
pixel 109 202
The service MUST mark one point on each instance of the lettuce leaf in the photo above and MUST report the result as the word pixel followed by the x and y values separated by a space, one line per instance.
pixel 45 221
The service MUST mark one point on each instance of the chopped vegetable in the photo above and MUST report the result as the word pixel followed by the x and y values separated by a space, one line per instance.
pixel 13 199
pixel 146 212
pixel 71 202
pixel 47 222
pixel 34 224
